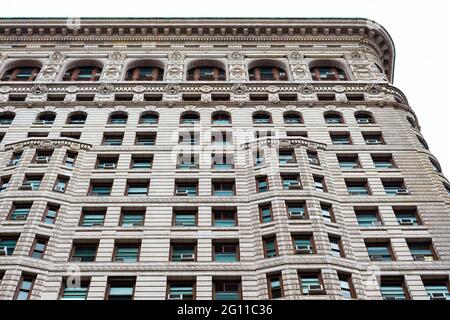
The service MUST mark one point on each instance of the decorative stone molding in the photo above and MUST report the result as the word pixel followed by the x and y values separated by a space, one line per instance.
pixel 284 142
pixel 48 144
pixel 38 89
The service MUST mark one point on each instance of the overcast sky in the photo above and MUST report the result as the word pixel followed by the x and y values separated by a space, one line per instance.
pixel 418 29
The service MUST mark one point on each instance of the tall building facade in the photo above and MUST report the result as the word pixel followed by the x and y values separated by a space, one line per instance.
pixel 213 159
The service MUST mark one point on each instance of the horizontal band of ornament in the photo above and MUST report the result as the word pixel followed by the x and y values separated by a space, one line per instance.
pixel 285 142
pixel 45 143
pixel 305 88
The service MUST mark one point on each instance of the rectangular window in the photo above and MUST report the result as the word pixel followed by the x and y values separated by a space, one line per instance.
pixel 437 289
pixel 422 250
pixel 225 251
pixel 286 156
pixel 265 212
pixel 393 289
pixel 222 161
pixel 32 182
pixel 184 217
pixel 99 189
pixel 336 247
pixel 262 184
pixel 84 252
pixel 93 217
pixel 120 288
pixel 379 251
pixel 340 138
pixel 275 286
pixel 38 249
pixel 126 252
pixel 224 217
pixel 258 159
pixel 222 138
pixel 78 290
pixel 357 187
pixel 112 139
pixel 61 184
pixel 132 217
pixel 313 158
pixel 291 182
pixel 4 183
pixel 270 247
pixel 303 244
pixel 368 217
pixel 51 211
pixel 15 159
pixel 319 184
pixel 183 252
pixel 383 161
pixel 311 284
pixel 20 211
pixel 395 187
pixel 180 290
pixel 137 188
pixel 327 213
pixel 8 245
pixel 189 138
pixel 407 216
pixel 187 161
pixel 69 159
pixel 348 161
pixel 373 138
pixel 145 139
pixel 226 289
pixel 141 162
pixel 42 156
pixel 107 162
pixel 189 189
pixel 347 290
pixel 296 210
pixel 25 287
pixel 223 188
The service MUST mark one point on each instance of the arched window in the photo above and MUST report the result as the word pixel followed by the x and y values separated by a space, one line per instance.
pixel 190 118
pixel 144 73
pixel 423 142
pixel 77 118
pixel 328 73
pixel 6 118
pixel 267 73
pixel 221 117
pixel 118 118
pixel 83 73
pixel 333 118
pixel 262 118
pixel 45 118
pixel 206 73
pixel 149 118
pixel 292 117
pixel 22 73
pixel 412 122
pixel 436 166
pixel 364 118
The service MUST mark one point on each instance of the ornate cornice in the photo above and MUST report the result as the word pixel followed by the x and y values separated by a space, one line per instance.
pixel 148 30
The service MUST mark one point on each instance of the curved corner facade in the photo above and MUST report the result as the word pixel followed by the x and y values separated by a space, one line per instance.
pixel 213 159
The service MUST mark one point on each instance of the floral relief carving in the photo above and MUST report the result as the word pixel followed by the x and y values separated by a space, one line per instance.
pixel 175 71
pixel 237 71
pixel 172 89
pixel 38 89
pixel 239 89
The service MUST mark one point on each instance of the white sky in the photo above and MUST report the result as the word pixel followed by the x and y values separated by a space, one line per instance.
pixel 418 29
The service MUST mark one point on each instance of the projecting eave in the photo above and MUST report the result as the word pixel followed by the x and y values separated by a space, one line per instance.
pixel 275 30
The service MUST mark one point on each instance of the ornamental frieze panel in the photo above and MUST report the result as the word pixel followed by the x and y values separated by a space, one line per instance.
pixel 284 143
pixel 48 144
